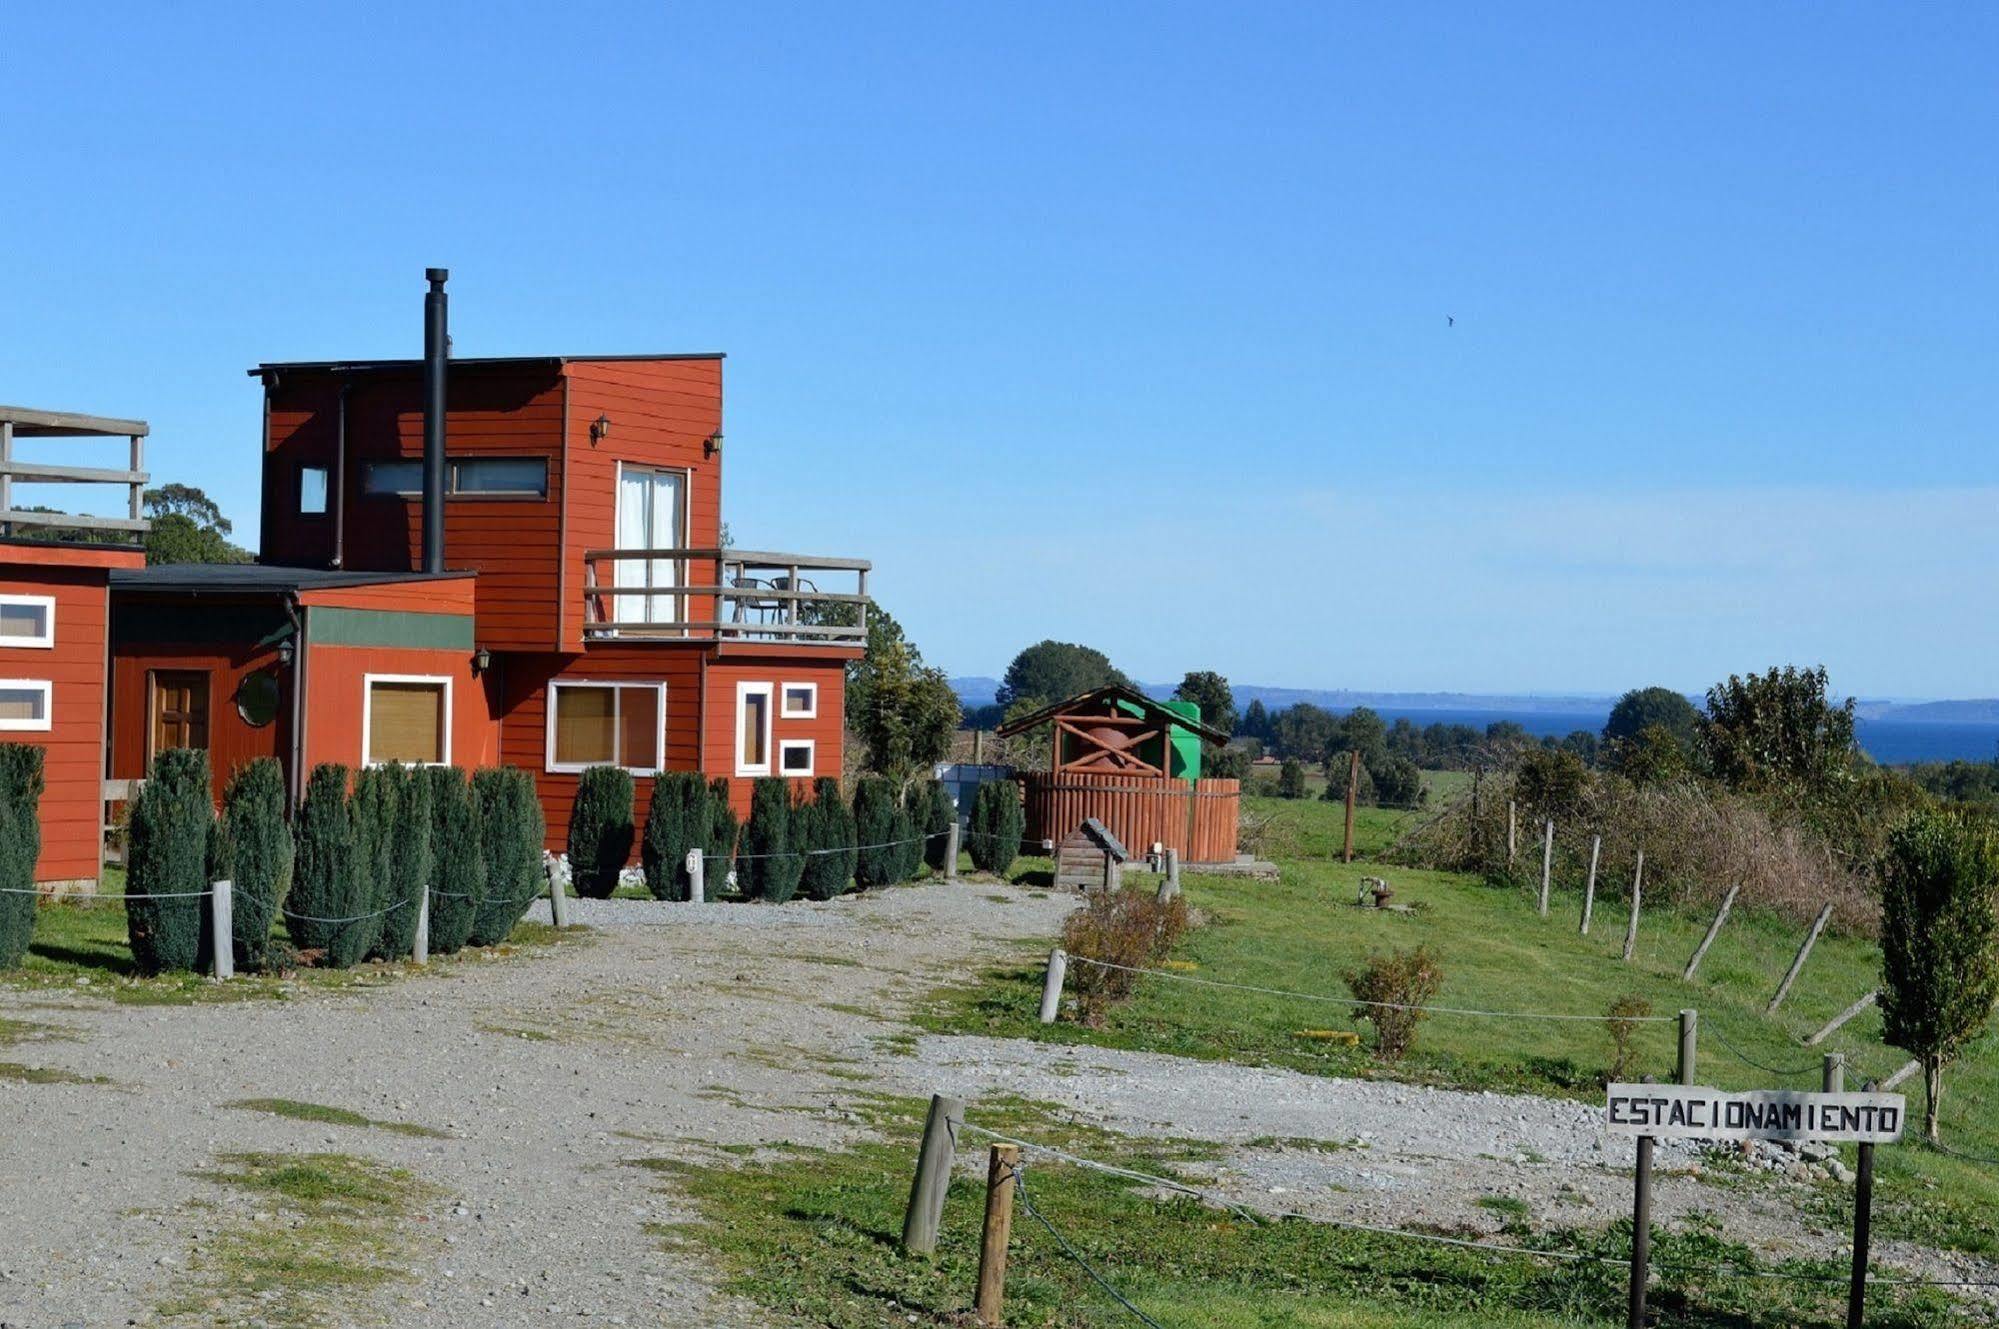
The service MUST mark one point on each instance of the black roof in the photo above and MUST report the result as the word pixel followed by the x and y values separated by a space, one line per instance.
pixel 465 362
pixel 257 578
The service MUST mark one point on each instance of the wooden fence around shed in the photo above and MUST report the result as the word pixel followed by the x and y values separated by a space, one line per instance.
pixel 1196 820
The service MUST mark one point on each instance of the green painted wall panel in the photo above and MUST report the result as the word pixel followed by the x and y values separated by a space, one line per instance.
pixel 328 626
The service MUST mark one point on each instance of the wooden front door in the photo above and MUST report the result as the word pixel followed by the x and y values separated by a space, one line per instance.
pixel 180 711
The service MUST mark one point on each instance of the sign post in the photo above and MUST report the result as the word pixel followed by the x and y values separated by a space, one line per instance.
pixel 1652 1112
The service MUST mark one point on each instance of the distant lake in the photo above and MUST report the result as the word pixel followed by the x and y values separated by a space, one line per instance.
pixel 1891 741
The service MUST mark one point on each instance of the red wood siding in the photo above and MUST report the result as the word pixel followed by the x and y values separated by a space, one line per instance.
pixel 512 543
pixel 231 741
pixel 827 729
pixel 72 804
pixel 662 413
pixel 454 596
pixel 336 692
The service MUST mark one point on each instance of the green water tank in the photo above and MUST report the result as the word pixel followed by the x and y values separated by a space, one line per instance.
pixel 1186 743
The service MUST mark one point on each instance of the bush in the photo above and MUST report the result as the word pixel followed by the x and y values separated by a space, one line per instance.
pixel 511 831
pixel 256 843
pixel 325 881
pixel 169 858
pixel 831 835
pixel 20 846
pixel 1291 779
pixel 875 809
pixel 998 820
pixel 933 812
pixel 1397 983
pixel 1337 771
pixel 676 821
pixel 1133 928
pixel 723 830
pixel 1622 1022
pixel 771 862
pixel 905 848
pixel 458 864
pixel 374 811
pixel 600 831
pixel 1397 782
pixel 410 852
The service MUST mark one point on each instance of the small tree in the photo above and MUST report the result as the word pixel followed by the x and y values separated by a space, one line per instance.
pixel 676 821
pixel 998 821
pixel 1396 984
pixel 600 831
pixel 905 849
pixel 1338 769
pixel 260 855
pixel 458 869
pixel 724 829
pixel 168 859
pixel 325 884
pixel 511 830
pixel 410 854
pixel 20 846
pixel 832 838
pixel 1291 779
pixel 771 863
pixel 374 804
pixel 1621 1022
pixel 1939 926
pixel 875 808
pixel 935 814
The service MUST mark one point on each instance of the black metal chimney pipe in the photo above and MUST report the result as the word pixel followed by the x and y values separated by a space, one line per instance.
pixel 436 353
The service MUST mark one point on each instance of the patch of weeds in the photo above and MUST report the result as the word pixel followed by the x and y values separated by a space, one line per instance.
pixel 1511 1208
pixel 18 1074
pixel 518 1031
pixel 839 961
pixel 1000 899
pixel 31 1031
pixel 333 1116
pixel 1302 1142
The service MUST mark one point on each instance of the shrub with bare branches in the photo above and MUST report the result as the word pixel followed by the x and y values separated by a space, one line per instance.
pixel 1622 1022
pixel 1397 984
pixel 1131 928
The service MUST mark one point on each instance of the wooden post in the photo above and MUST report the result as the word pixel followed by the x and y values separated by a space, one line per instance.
pixel 1001 1166
pixel 1832 1076
pixel 558 900
pixel 1512 831
pixel 420 944
pixel 1637 890
pixel 933 1174
pixel 951 840
pixel 1589 888
pixel 1353 792
pixel 697 876
pixel 1547 863
pixel 1863 1223
pixel 1713 931
pixel 222 923
pixel 1171 886
pixel 1641 1230
pixel 1856 1008
pixel 1908 1068
pixel 1797 965
pixel 1113 874
pixel 978 747
pixel 1051 985
pixel 1690 1024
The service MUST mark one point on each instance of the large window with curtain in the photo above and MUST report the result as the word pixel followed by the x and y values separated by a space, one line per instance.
pixel 606 724
pixel 651 515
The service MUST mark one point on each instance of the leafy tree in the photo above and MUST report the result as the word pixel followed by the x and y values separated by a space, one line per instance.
pixel 1777 732
pixel 1641 708
pixel 830 835
pixel 1337 770
pixel 875 810
pixel 998 821
pixel 1361 728
pixel 167 864
pixel 1211 692
pixel 1031 747
pixel 1652 756
pixel 676 821
pixel 1055 671
pixel 1551 784
pixel 1256 722
pixel 1229 763
pixel 771 861
pixel 1397 781
pixel 325 884
pixel 1303 731
pixel 600 831
pixel 188 527
pixel 1939 929
pixel 458 881
pixel 260 855
pixel 1291 779
pixel 903 710
pixel 21 785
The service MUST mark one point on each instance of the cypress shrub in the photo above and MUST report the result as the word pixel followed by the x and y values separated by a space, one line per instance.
pixel 325 882
pixel 935 814
pixel 458 865
pixel 168 857
pixel 375 789
pixel 875 811
pixel 253 850
pixel 676 821
pixel 411 851
pixel 830 831
pixel 600 831
pixel 511 832
pixel 906 853
pixel 997 823
pixel 20 846
pixel 772 858
pixel 723 829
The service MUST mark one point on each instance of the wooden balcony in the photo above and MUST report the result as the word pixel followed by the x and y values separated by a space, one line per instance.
pixel 724 595
pixel 19 423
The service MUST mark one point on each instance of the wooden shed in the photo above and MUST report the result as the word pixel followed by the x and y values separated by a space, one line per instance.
pixel 1090 857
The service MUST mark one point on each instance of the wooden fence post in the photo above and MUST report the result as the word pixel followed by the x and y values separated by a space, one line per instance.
pixel 1637 891
pixel 1690 1024
pixel 1171 886
pixel 1001 1167
pixel 222 923
pixel 1713 931
pixel 1856 1008
pixel 1051 985
pixel 1895 1081
pixel 933 1174
pixel 1353 792
pixel 420 943
pixel 697 876
pixel 951 837
pixel 1589 889
pixel 1832 1076
pixel 558 900
pixel 1797 965
pixel 1547 863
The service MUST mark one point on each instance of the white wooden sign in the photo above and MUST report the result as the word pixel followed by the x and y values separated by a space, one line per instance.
pixel 1689 1112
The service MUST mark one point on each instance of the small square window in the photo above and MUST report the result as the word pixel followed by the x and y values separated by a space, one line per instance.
pixel 794 757
pixel 312 491
pixel 801 701
pixel 24 704
pixel 27 620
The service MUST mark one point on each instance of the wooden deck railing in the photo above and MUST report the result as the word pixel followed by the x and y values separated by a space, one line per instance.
pixel 725 594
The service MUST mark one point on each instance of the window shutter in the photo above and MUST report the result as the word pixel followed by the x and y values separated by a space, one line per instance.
pixel 406 722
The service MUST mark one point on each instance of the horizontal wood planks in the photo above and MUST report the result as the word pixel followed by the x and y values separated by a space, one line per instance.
pixel 336 696
pixel 1198 820
pixel 825 729
pixel 455 596
pixel 231 740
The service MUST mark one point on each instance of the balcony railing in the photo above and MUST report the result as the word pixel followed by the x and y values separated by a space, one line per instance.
pixel 20 423
pixel 725 595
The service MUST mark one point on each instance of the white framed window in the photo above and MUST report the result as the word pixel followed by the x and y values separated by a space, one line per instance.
pixel 312 488
pixel 406 718
pixel 798 701
pixel 753 708
pixel 25 703
pixel 27 620
pixel 593 723
pixel 794 757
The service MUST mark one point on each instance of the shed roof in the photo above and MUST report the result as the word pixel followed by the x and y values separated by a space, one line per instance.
pixel 1153 709
pixel 258 578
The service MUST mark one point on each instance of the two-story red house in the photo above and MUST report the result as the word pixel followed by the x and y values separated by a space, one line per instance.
pixel 580 611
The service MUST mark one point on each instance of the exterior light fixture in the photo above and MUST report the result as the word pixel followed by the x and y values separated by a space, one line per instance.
pixel 482 660
pixel 287 651
pixel 599 428
pixel 713 444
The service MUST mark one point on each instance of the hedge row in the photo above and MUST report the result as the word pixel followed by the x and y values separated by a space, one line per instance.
pixel 20 845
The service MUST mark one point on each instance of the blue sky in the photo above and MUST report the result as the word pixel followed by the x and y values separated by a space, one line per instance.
pixel 1126 324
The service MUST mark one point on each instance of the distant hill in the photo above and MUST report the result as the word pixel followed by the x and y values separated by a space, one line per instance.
pixel 1931 712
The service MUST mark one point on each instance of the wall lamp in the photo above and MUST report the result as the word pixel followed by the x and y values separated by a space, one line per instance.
pixel 482 660
pixel 713 443
pixel 287 651
pixel 600 428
